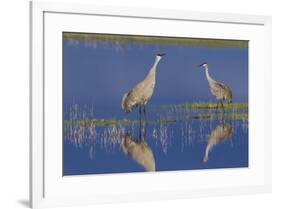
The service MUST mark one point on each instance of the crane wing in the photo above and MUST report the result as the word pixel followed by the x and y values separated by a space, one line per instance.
pixel 221 85
pixel 123 100
pixel 221 91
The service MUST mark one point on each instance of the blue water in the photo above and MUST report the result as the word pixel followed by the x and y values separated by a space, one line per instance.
pixel 95 78
pixel 100 75
pixel 176 142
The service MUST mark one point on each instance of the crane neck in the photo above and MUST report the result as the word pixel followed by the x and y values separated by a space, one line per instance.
pixel 207 74
pixel 154 66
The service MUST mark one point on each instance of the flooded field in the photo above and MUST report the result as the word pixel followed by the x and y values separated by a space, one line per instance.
pixel 171 138
pixel 181 128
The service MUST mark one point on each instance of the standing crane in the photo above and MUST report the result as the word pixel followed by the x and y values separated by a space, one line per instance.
pixel 143 91
pixel 221 91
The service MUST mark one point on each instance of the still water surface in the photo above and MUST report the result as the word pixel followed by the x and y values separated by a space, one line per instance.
pixel 169 139
pixel 100 138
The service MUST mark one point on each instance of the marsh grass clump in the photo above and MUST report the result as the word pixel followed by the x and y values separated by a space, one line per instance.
pixel 114 122
pixel 161 120
pixel 101 122
pixel 173 114
pixel 236 106
pixel 228 116
pixel 198 106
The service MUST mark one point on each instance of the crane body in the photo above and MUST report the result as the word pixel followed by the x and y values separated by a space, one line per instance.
pixel 221 91
pixel 143 91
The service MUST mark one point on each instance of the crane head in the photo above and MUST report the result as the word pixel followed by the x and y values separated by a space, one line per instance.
pixel 204 64
pixel 160 55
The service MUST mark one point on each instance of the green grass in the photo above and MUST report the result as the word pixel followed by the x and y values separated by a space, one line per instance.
pixel 231 116
pixel 100 122
pixel 113 122
pixel 233 111
pixel 162 121
pixel 125 39
pixel 198 106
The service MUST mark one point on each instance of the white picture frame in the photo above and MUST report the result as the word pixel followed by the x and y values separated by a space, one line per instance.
pixel 47 188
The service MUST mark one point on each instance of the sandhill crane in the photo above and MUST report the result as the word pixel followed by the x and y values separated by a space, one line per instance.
pixel 138 149
pixel 221 133
pixel 143 91
pixel 221 91
pixel 139 152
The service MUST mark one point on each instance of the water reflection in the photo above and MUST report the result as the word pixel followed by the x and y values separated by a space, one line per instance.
pixel 166 137
pixel 220 133
pixel 138 149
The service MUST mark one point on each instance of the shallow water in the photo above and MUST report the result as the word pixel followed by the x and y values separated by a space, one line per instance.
pixel 168 139
pixel 100 138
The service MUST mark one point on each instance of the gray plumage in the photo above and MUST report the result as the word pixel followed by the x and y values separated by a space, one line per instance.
pixel 221 133
pixel 140 152
pixel 221 91
pixel 143 91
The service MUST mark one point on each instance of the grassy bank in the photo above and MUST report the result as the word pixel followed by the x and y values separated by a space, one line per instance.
pixel 126 39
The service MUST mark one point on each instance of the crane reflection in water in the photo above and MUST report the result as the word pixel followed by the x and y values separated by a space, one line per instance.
pixel 138 149
pixel 168 140
pixel 220 134
pixel 181 132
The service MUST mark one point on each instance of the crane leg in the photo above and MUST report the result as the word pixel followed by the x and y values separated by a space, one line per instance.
pixel 144 134
pixel 217 105
pixel 143 131
pixel 223 121
pixel 222 106
pixel 144 111
pixel 140 116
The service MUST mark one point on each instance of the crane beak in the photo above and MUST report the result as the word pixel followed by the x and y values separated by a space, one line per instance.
pixel 161 55
pixel 201 65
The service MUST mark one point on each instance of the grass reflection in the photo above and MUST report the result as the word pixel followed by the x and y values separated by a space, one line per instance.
pixel 82 129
